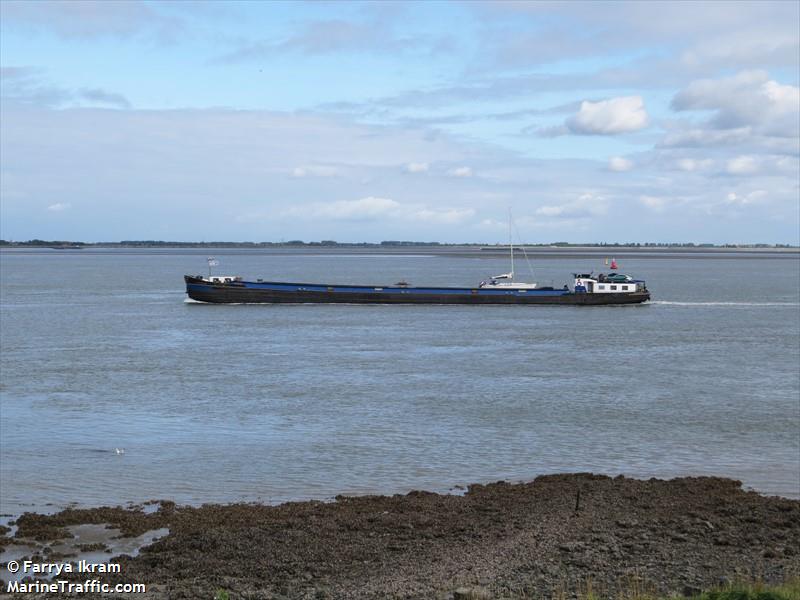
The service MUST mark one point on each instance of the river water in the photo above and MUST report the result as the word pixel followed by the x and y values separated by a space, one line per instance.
pixel 114 389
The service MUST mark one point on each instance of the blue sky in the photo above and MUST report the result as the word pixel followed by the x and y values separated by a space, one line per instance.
pixel 263 121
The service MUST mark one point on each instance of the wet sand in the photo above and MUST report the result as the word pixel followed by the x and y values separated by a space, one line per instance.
pixel 550 537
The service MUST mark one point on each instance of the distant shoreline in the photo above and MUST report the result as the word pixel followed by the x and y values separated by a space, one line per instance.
pixel 405 245
pixel 440 250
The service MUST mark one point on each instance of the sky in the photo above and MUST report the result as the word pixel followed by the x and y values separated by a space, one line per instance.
pixel 425 121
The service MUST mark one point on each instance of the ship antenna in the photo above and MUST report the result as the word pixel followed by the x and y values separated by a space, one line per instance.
pixel 212 262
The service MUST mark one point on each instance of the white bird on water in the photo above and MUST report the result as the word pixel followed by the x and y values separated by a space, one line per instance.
pixel 119 450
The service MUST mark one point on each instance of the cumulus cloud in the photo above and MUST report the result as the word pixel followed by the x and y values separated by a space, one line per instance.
pixel 126 152
pixel 619 164
pixel 460 172
pixel 609 117
pixel 744 106
pixel 415 167
pixel 59 207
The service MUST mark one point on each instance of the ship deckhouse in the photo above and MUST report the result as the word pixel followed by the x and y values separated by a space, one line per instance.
pixel 611 283
pixel 220 278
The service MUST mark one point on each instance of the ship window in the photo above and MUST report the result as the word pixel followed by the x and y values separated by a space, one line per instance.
pixel 613 287
pixel 625 288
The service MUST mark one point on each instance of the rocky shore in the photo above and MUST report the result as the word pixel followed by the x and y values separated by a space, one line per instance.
pixel 551 537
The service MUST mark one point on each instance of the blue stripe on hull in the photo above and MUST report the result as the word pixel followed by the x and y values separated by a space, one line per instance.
pixel 339 289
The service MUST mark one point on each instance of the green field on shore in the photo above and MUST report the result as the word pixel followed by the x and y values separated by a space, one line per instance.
pixel 790 590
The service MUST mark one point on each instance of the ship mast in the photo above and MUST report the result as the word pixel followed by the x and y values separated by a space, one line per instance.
pixel 511 244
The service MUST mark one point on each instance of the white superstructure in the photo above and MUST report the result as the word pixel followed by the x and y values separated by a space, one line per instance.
pixel 221 278
pixel 611 283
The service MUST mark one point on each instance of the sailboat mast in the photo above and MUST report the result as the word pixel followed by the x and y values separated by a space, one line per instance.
pixel 511 243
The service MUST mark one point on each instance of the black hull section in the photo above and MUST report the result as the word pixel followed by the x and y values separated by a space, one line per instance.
pixel 239 293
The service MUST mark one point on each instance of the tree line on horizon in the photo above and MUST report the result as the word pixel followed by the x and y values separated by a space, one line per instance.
pixel 386 243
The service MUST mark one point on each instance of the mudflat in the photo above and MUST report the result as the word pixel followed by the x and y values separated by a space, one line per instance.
pixel 553 536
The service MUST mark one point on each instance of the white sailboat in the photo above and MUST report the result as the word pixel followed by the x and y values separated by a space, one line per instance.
pixel 506 280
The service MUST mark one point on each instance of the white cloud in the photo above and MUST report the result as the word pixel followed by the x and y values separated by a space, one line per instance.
pixel 585 206
pixel 748 101
pixel 609 117
pixel 445 217
pixel 460 172
pixel 416 167
pixel 693 164
pixel 743 48
pixel 654 203
pixel 554 131
pixel 743 165
pixel 550 211
pixel 763 164
pixel 364 208
pixel 783 98
pixel 745 199
pixel 314 171
pixel 373 208
pixel 125 150
pixel 494 224
pixel 59 206
pixel 619 164
pixel 698 138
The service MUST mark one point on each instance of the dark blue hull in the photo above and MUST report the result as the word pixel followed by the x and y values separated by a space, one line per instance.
pixel 270 292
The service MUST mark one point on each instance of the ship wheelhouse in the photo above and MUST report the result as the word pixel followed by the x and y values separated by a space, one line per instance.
pixel 611 283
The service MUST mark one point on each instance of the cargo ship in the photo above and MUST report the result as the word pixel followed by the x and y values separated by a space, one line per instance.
pixel 587 290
